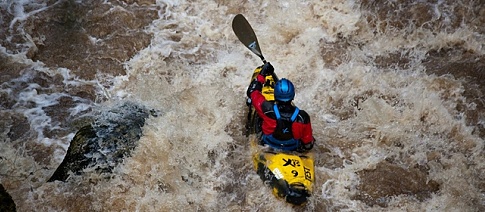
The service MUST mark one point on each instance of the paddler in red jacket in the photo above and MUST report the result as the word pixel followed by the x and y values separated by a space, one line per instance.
pixel 285 126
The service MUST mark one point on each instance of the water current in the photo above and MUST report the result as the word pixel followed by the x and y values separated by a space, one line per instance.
pixel 394 90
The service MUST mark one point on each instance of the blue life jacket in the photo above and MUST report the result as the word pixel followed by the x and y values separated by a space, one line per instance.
pixel 282 137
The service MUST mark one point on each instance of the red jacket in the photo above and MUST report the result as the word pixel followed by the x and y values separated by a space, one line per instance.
pixel 301 127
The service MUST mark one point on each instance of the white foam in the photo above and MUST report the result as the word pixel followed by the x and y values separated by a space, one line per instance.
pixel 17 9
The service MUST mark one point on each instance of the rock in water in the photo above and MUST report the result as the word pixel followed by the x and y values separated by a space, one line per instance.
pixel 6 202
pixel 104 144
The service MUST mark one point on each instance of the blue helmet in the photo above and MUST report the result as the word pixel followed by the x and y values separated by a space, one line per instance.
pixel 284 90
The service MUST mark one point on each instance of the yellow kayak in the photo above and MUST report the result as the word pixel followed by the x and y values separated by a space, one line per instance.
pixel 290 174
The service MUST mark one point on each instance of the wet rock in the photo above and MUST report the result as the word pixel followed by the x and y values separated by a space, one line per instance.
pixel 6 202
pixel 388 180
pixel 104 144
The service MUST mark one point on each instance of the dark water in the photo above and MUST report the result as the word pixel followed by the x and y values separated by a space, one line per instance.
pixel 394 90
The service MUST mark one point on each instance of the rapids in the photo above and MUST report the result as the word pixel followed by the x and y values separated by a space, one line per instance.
pixel 394 90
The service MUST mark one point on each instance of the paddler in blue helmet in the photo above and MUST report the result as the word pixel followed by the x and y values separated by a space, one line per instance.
pixel 284 126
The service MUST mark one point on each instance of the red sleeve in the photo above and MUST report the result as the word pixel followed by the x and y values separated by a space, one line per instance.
pixel 257 97
pixel 303 132
pixel 257 100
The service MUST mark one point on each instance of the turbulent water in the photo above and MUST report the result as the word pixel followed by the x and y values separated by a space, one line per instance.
pixel 393 88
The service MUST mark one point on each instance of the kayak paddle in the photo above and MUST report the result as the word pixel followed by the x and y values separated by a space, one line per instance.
pixel 246 35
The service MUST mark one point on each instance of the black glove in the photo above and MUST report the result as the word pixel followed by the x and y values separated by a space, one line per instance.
pixel 255 85
pixel 305 147
pixel 267 69
pixel 308 147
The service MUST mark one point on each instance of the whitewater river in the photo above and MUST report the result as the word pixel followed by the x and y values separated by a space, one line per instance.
pixel 394 90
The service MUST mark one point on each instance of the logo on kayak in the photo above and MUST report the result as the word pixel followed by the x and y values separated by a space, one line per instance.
pixel 291 162
pixel 308 174
pixel 277 173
